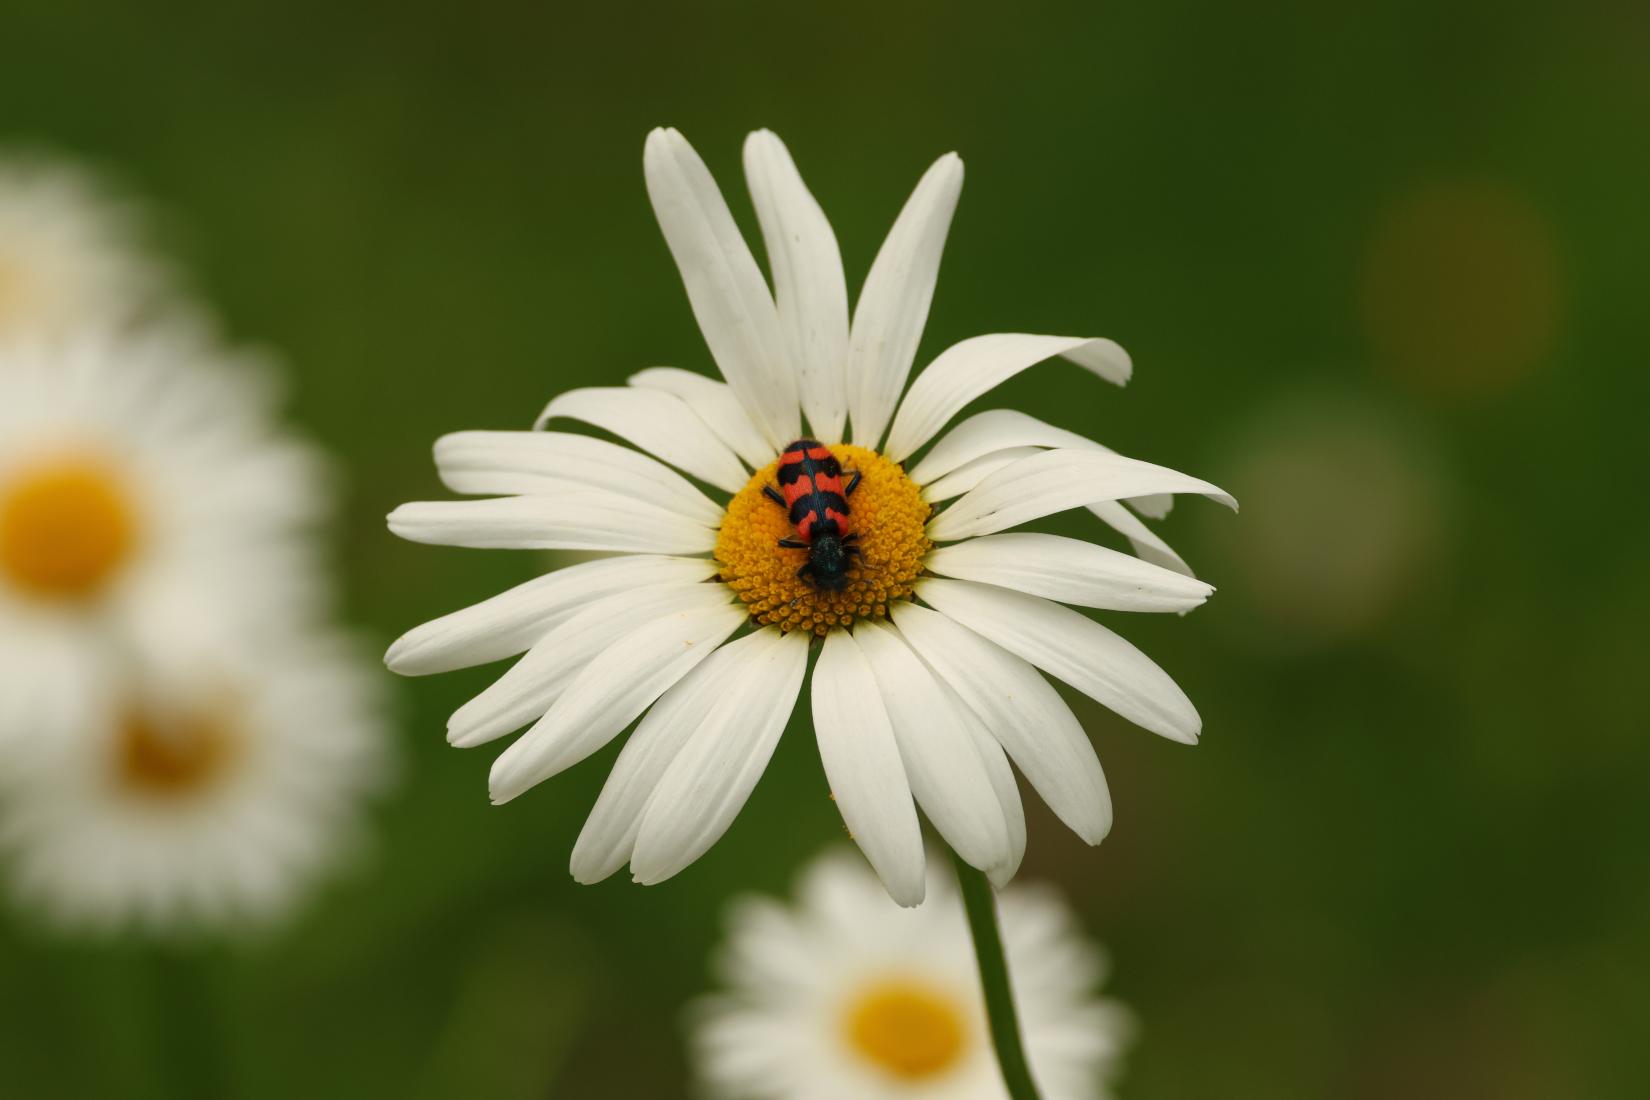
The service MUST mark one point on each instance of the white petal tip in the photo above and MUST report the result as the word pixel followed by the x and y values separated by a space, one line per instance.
pixel 1221 496
pixel 1096 832
pixel 461 739
pixel 588 876
pixel 1106 358
pixel 907 895
pixel 948 173
pixel 542 420
pixel 663 141
pixel 999 873
pixel 403 658
pixel 461 727
pixel 409 522
pixel 504 789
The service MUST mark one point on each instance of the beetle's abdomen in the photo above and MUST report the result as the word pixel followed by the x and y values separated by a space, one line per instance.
pixel 810 478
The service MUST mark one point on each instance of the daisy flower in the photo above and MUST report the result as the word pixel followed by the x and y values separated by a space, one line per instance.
pixel 843 994
pixel 70 252
pixel 212 787
pixel 889 551
pixel 145 495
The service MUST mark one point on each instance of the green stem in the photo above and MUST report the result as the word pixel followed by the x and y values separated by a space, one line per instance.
pixel 186 1034
pixel 980 902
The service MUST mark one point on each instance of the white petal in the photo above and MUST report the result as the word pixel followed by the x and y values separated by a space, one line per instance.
pixel 971 473
pixel 1154 505
pixel 1105 358
pixel 1002 781
pixel 893 305
pixel 502 463
pixel 724 285
pixel 1069 570
pixel 964 371
pixel 607 695
pixel 710 779
pixel 769 946
pixel 529 687
pixel 951 782
pixel 609 835
pixel 988 432
pixel 1054 481
pixel 1145 541
pixel 714 403
pixel 589 519
pixel 808 285
pixel 994 431
pixel 1022 711
pixel 656 422
pixel 512 621
pixel 862 762
pixel 1072 647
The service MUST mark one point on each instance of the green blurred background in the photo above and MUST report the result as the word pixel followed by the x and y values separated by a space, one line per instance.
pixel 1382 272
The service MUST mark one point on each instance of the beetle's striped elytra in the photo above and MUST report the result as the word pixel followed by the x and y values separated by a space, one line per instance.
pixel 816 503
pixel 880 515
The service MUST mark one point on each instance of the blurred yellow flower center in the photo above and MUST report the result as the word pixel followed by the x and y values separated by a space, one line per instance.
pixel 171 756
pixel 66 527
pixel 907 1028
pixel 886 511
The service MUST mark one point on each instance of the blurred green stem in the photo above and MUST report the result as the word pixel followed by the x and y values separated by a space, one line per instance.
pixel 188 1054
pixel 980 901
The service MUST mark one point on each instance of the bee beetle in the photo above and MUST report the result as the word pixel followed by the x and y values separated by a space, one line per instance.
pixel 811 492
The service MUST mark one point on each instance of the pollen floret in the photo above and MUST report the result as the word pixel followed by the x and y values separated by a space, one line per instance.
pixel 887 513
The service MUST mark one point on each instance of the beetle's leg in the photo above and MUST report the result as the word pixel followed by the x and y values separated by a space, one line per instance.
pixel 793 544
pixel 773 494
pixel 853 483
pixel 805 570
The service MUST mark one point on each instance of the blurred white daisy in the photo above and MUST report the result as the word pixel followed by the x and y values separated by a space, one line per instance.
pixel 71 253
pixel 932 635
pixel 145 496
pixel 212 788
pixel 846 995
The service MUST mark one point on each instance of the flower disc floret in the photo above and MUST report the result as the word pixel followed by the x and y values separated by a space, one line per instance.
pixel 65 529
pixel 888 514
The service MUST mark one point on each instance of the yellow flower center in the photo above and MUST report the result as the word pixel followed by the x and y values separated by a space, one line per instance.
pixel 886 511
pixel 66 527
pixel 171 755
pixel 910 1029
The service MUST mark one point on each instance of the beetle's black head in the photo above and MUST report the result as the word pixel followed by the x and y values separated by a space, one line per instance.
pixel 828 562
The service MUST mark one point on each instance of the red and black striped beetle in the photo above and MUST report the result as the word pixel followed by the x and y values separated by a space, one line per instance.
pixel 811 492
